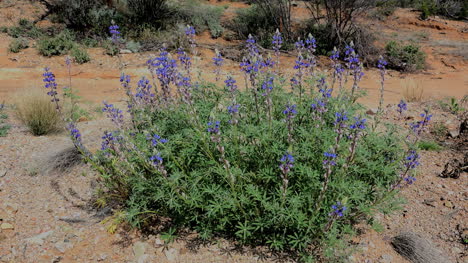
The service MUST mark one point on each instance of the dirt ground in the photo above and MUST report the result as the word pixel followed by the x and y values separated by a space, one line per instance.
pixel 46 212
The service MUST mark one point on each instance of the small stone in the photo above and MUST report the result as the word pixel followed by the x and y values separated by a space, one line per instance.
pixel 371 111
pixel 171 254
pixel 454 133
pixel 102 257
pixel 39 239
pixel 386 258
pixel 448 204
pixel 158 242
pixel 63 246
pixel 3 173
pixel 82 119
pixel 456 250
pixel 139 249
pixel 125 51
pixel 7 226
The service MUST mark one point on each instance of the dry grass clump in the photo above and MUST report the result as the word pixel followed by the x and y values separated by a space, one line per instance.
pixel 413 90
pixel 35 110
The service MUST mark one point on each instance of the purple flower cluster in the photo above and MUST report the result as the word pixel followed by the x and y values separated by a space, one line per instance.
pixel 267 85
pixel 359 124
pixel 213 127
pixel 340 119
pixel 290 111
pixel 190 34
pixel 277 44
pixel 114 114
pixel 156 139
pixel 251 46
pixel 108 141
pixel 165 69
pixel 412 160
pixel 218 62
pixel 233 109
pixel 184 60
pixel 51 85
pixel 402 107
pixel 329 159
pixel 143 93
pixel 114 31
pixel 420 126
pixel 231 84
pixel 287 163
pixel 156 160
pixel 338 210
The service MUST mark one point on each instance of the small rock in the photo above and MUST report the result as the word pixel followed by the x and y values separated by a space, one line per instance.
pixel 171 254
pixel 63 246
pixel 448 204
pixel 371 111
pixel 454 133
pixel 102 257
pixel 39 239
pixel 386 259
pixel 3 173
pixel 82 119
pixel 139 249
pixel 158 242
pixel 7 226
pixel 125 51
pixel 456 250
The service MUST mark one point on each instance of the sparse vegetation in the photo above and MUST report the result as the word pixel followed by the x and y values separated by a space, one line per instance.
pixel 407 57
pixel 429 146
pixel 80 55
pixel 4 127
pixel 36 112
pixel 18 44
pixel 413 90
pixel 58 45
pixel 24 29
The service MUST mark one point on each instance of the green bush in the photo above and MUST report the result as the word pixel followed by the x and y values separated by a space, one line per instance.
pixel 405 57
pixel 25 29
pixel 4 127
pixel 80 55
pixel 57 45
pixel 110 48
pixel 253 21
pixel 429 146
pixel 18 44
pixel 201 16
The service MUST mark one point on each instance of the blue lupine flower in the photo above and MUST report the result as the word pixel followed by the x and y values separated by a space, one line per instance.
pixel 156 160
pixel 213 127
pixel 218 62
pixel 360 124
pixel 419 126
pixel 267 85
pixel 338 210
pixel 114 114
pixel 277 41
pixel 287 162
pixel 231 84
pixel 335 56
pixel 114 31
pixel 402 106
pixel 311 43
pixel 300 45
pixel 51 84
pixel 319 106
pixel 252 46
pixel 233 109
pixel 184 59
pixel 290 111
pixel 156 139
pixel 76 136
pixel 329 159
pixel 108 140
pixel 410 179
pixel 412 160
pixel 341 117
pixel 382 63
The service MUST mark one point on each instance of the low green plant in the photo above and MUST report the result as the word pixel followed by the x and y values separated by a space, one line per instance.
pixel 429 146
pixel 452 105
pixel 439 129
pixel 80 55
pixel 110 48
pixel 201 16
pixel 57 45
pixel 407 57
pixel 25 29
pixel 133 46
pixel 18 44
pixel 33 109
pixel 4 127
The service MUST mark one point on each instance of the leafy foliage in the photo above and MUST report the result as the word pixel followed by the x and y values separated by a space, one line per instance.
pixel 80 55
pixel 4 127
pixel 405 57
pixel 18 44
pixel 57 45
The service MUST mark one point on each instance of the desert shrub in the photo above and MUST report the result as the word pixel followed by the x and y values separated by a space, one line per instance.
pixel 57 45
pixel 252 21
pixel 133 46
pixel 152 12
pixel 201 16
pixel 18 44
pixel 405 57
pixel 25 29
pixel 83 15
pixel 80 55
pixel 35 110
pixel 260 165
pixel 412 90
pixel 4 127
pixel 110 48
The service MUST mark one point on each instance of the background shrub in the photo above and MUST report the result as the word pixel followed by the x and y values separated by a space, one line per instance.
pixel 25 29
pixel 405 57
pixel 34 109
pixel 4 127
pixel 18 44
pixel 57 45
pixel 80 55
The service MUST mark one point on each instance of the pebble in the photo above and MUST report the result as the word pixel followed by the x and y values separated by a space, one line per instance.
pixel 39 239
pixel 456 250
pixel 139 249
pixel 7 226
pixel 386 258
pixel 3 173
pixel 171 254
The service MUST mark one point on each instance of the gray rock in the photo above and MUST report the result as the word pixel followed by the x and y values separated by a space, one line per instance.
pixel 63 246
pixel 139 249
pixel 39 239
pixel 125 51
pixel 417 249
pixel 3 173
pixel 171 254
pixel 454 133
pixel 386 258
